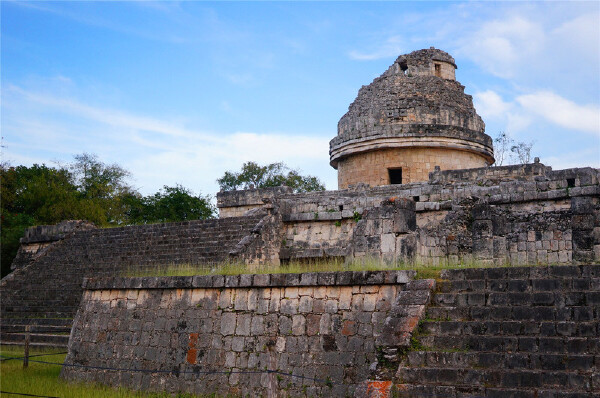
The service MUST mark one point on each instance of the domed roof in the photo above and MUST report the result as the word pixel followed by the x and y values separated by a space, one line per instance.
pixel 414 101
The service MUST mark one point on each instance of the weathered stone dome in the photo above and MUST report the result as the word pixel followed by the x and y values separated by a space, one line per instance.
pixel 413 117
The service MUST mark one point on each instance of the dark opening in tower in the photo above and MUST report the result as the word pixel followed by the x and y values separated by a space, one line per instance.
pixel 395 176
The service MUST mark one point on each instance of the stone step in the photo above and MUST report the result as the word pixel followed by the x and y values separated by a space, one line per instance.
pixel 549 345
pixel 557 298
pixel 499 378
pixel 500 360
pixel 518 285
pixel 441 391
pixel 534 272
pixel 512 328
pixel 448 313
pixel 515 313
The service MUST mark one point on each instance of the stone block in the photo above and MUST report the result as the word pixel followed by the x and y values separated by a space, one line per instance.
pixel 308 279
pixel 228 323
pixel 306 304
pixel 261 280
pixel 232 280
pixel 388 243
pixel 298 325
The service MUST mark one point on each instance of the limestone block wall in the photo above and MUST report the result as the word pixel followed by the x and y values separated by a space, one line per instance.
pixel 416 163
pixel 238 203
pixel 311 334
pixel 531 215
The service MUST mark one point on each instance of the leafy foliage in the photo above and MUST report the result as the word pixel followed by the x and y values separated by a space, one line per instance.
pixel 86 189
pixel 253 175
pixel 170 204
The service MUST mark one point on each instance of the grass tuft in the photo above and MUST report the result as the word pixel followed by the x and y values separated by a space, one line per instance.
pixel 424 270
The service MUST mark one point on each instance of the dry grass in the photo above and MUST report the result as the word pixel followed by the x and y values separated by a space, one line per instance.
pixel 424 270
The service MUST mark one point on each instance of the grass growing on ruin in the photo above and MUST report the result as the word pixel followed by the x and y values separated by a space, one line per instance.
pixel 424 270
pixel 43 379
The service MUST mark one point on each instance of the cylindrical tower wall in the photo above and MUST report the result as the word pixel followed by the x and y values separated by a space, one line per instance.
pixel 410 164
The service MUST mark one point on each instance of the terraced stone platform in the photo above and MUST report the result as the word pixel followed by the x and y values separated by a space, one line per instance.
pixel 508 332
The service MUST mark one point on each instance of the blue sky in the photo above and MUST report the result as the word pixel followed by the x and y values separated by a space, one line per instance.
pixel 180 92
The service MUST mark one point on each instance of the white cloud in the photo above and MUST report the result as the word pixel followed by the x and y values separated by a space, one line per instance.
pixel 562 111
pixel 391 47
pixel 502 46
pixel 519 113
pixel 489 104
pixel 102 115
pixel 578 36
pixel 157 152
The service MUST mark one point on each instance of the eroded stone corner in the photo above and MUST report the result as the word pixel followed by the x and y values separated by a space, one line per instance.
pixel 394 339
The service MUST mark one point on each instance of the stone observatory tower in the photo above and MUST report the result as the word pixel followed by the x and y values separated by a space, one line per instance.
pixel 409 120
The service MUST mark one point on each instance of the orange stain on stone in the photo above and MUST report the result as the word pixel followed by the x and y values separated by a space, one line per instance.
pixel 348 328
pixel 191 354
pixel 379 389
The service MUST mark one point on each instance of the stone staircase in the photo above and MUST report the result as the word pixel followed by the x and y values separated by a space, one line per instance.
pixel 44 332
pixel 508 332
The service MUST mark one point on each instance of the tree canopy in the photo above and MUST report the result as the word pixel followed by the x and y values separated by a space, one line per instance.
pixel 169 204
pixel 253 175
pixel 86 189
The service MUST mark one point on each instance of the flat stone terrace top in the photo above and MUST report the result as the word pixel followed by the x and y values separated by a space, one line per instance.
pixel 342 278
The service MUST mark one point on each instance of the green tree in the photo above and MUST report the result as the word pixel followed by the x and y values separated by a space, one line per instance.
pixel 29 196
pixel 102 187
pixel 168 205
pixel 253 175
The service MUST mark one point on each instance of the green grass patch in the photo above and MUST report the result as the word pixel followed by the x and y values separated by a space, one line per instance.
pixel 424 270
pixel 43 379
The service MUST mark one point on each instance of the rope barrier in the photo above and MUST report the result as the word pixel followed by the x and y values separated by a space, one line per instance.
pixel 27 395
pixel 3 358
pixel 327 382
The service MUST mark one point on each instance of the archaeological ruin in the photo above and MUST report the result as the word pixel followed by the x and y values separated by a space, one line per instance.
pixel 516 314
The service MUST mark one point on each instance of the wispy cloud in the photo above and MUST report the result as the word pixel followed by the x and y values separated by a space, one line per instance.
pixel 502 45
pixel 562 111
pixel 110 117
pixel 157 151
pixel 491 107
pixel 549 106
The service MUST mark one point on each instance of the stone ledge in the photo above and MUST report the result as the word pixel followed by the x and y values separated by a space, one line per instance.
pixel 342 278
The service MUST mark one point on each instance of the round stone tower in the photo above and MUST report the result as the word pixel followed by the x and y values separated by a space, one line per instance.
pixel 409 120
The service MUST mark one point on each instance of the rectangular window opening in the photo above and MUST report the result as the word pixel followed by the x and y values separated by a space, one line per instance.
pixel 395 176
pixel 438 70
pixel 571 182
